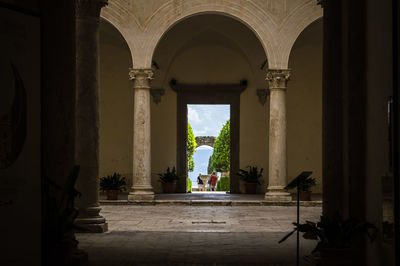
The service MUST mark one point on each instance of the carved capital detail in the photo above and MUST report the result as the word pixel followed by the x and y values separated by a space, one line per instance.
pixel 141 78
pixel 89 8
pixel 278 78
pixel 262 95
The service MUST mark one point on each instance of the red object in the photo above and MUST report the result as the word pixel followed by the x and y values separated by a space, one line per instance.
pixel 213 179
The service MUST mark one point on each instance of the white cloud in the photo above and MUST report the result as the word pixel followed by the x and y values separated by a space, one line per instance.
pixel 193 116
pixel 207 120
pixel 201 131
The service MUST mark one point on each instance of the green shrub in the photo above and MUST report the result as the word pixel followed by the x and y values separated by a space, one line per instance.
pixel 307 184
pixel 251 176
pixel 223 184
pixel 169 176
pixel 189 185
pixel 113 182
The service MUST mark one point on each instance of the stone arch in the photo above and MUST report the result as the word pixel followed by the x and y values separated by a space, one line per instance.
pixel 118 16
pixel 121 32
pixel 205 140
pixel 276 35
pixel 258 21
pixel 293 26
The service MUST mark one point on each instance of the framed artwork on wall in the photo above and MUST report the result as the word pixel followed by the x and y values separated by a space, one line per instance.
pixel 20 132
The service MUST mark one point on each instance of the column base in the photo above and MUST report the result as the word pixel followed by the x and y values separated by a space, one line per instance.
pixel 141 195
pixel 92 225
pixel 92 228
pixel 90 221
pixel 278 196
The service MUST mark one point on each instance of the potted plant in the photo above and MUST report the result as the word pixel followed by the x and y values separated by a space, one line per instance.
pixel 250 178
pixel 305 188
pixel 335 238
pixel 112 184
pixel 168 180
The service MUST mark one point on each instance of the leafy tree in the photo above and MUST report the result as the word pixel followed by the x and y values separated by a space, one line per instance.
pixel 220 159
pixel 189 185
pixel 210 168
pixel 191 148
pixel 223 184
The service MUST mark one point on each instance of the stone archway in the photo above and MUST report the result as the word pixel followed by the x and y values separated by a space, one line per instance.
pixel 205 140
pixel 276 31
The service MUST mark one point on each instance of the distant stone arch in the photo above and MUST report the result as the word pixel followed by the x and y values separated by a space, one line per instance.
pixel 205 140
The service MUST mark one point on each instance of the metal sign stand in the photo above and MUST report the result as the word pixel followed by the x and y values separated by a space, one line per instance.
pixel 296 184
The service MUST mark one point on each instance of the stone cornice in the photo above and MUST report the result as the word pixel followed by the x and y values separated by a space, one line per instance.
pixel 141 78
pixel 278 78
pixel 89 8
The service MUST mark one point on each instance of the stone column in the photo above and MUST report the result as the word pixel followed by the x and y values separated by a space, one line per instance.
pixel 87 113
pixel 277 79
pixel 141 188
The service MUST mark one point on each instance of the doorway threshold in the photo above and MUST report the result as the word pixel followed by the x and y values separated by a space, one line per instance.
pixel 211 199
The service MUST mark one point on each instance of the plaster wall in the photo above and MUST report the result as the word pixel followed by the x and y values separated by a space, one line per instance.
pixel 304 105
pixel 116 105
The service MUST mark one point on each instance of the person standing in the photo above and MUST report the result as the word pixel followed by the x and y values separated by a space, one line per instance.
pixel 213 181
pixel 200 183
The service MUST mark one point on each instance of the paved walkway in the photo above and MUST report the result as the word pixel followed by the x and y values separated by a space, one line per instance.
pixel 197 235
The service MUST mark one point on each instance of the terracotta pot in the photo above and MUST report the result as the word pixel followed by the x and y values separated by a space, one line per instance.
pixel 305 195
pixel 112 194
pixel 251 188
pixel 168 187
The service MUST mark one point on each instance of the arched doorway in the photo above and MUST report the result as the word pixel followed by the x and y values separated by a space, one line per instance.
pixel 211 59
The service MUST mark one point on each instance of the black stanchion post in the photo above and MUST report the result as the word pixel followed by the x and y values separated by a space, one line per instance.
pixel 298 221
pixel 296 184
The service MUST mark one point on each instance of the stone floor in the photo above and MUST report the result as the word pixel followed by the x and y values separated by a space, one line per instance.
pixel 197 235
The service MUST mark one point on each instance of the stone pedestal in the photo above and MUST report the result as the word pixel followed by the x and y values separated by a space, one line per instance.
pixel 141 188
pixel 87 113
pixel 277 79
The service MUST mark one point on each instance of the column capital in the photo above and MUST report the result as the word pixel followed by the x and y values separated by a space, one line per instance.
pixel 141 77
pixel 89 8
pixel 278 78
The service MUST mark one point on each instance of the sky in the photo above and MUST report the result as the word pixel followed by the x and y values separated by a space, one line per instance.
pixel 207 119
pixel 200 158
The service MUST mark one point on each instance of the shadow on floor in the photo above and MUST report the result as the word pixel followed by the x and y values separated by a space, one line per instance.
pixel 180 248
